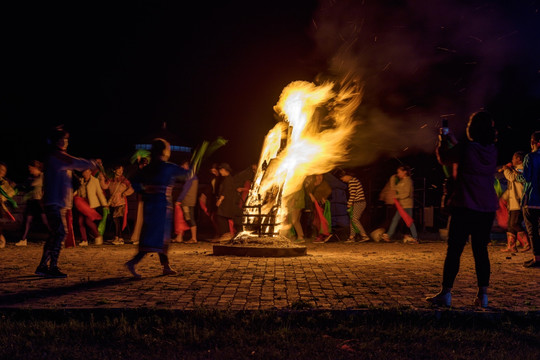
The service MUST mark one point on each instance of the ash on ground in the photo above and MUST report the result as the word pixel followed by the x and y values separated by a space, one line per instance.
pixel 277 241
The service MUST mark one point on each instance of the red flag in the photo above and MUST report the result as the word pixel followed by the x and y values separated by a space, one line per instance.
pixel 124 222
pixel 84 208
pixel 502 214
pixel 70 236
pixel 231 226
pixel 10 215
pixel 180 224
pixel 320 221
pixel 406 217
pixel 202 204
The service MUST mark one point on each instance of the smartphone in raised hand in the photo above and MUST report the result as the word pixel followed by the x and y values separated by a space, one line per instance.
pixel 445 129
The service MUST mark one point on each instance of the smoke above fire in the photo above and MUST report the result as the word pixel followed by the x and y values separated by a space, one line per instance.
pixel 418 62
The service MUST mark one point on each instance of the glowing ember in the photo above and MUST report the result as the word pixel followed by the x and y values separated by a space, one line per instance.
pixel 313 138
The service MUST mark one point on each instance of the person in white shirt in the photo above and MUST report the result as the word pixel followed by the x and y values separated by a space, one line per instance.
pixel 91 191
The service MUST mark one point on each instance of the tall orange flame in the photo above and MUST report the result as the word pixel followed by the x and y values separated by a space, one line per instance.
pixel 313 138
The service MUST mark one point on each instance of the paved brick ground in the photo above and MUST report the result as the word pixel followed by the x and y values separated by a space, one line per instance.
pixel 332 276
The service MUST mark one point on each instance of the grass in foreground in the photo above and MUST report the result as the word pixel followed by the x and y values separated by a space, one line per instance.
pixel 209 334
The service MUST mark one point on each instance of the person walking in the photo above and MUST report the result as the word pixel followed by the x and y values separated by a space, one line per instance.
pixel 155 182
pixel 58 199
pixel 402 189
pixel 356 204
pixel 473 203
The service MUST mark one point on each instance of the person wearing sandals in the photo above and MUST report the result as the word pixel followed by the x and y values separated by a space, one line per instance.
pixel 473 203
pixel 356 203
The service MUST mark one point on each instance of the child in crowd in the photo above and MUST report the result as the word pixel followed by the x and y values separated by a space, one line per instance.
pixel 515 231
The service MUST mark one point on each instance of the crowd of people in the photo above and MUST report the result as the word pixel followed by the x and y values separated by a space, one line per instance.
pixel 173 203
pixel 474 201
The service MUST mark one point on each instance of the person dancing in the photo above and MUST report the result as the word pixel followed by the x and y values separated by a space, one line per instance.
pixel 154 182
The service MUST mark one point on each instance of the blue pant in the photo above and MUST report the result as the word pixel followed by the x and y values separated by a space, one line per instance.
pixel 56 216
pixel 395 221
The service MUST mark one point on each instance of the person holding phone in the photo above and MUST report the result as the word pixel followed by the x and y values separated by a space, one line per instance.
pixel 473 203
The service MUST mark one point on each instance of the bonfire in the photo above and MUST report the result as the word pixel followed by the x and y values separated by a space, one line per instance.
pixel 313 137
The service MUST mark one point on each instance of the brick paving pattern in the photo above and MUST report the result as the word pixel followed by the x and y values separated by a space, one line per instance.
pixel 334 276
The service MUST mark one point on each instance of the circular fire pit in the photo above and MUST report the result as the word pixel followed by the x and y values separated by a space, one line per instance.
pixel 252 246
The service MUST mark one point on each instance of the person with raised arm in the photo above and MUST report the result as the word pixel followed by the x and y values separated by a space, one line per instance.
pixel 154 183
pixel 58 198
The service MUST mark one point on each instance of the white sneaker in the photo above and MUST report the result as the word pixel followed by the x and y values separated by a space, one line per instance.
pixel 83 243
pixel 118 241
pixel 98 240
pixel 22 243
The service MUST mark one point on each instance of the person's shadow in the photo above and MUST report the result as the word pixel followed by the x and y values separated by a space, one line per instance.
pixel 55 291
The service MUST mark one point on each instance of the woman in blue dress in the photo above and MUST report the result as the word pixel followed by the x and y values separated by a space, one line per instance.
pixel 154 183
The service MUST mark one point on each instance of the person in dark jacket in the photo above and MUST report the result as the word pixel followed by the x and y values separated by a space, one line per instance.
pixel 473 203
pixel 531 198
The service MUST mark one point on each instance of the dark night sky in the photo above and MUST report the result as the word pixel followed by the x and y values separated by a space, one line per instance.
pixel 114 71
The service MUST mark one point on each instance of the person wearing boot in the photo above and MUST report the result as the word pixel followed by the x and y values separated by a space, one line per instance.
pixel 58 199
pixel 531 198
pixel 516 232
pixel 155 182
pixel 473 203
